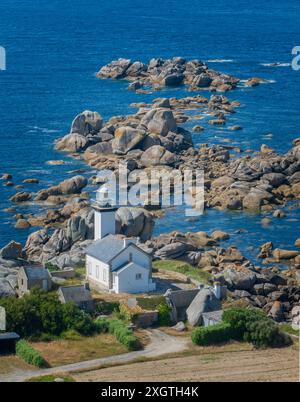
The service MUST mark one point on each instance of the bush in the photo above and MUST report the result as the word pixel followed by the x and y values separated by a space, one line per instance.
pixel 164 315
pixel 30 355
pixel 123 334
pixel 253 325
pixel 42 313
pixel 265 333
pixel 214 334
pixel 105 308
pixel 102 325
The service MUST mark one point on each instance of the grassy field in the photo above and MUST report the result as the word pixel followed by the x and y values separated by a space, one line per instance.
pixel 183 268
pixel 51 378
pixel 231 362
pixel 9 364
pixel 62 352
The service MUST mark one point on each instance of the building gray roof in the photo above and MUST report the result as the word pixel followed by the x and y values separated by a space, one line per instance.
pixel 75 294
pixel 9 336
pixel 36 273
pixel 107 248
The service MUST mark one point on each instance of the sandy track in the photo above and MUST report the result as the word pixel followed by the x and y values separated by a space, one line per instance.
pixel 256 365
pixel 160 344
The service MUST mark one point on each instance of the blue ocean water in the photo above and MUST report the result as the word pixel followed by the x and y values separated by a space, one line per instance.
pixel 54 48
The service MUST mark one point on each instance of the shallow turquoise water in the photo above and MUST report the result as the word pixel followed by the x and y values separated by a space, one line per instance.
pixel 54 49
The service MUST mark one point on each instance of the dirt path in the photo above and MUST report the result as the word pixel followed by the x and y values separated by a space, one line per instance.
pixel 255 365
pixel 160 344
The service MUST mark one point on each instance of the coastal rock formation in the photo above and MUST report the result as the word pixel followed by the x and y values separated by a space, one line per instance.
pixel 6 290
pixel 87 123
pixel 126 138
pixel 84 132
pixel 12 251
pixel 158 155
pixel 169 73
pixel 70 186
pixel 21 197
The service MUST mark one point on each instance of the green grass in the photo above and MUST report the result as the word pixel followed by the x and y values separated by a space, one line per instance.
pixel 288 329
pixel 50 378
pixel 150 303
pixel 183 268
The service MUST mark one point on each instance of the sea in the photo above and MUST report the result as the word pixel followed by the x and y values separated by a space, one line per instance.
pixel 54 49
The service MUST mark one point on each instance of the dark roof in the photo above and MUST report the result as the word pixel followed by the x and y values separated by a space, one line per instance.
pixel 36 273
pixel 107 248
pixel 5 336
pixel 214 315
pixel 75 294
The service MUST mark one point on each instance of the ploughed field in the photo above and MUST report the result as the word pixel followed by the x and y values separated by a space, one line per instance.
pixel 219 364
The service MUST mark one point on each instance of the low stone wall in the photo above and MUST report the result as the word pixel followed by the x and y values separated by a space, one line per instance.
pixel 146 319
pixel 65 274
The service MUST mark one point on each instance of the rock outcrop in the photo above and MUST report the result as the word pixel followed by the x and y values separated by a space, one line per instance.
pixel 169 73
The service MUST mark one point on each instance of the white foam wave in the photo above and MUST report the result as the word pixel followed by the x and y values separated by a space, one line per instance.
pixel 276 64
pixel 220 61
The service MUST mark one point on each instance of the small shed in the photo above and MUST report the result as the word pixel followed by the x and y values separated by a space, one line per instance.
pixel 78 294
pixel 8 342
pixel 31 277
pixel 179 301
pixel 212 317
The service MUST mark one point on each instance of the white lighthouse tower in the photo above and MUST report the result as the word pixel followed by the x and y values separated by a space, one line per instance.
pixel 105 220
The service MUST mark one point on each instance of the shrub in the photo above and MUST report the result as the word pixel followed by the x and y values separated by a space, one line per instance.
pixel 105 308
pixel 30 355
pixel 253 325
pixel 125 313
pixel 71 335
pixel 164 315
pixel 214 334
pixel 102 325
pixel 239 318
pixel 265 333
pixel 42 313
pixel 123 334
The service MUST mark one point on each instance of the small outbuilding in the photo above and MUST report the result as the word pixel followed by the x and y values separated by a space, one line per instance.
pixel 212 318
pixel 8 342
pixel 78 294
pixel 33 277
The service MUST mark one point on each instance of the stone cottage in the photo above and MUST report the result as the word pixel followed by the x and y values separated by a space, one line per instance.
pixel 78 294
pixel 33 277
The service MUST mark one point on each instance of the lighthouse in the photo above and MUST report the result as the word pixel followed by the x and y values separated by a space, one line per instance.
pixel 105 220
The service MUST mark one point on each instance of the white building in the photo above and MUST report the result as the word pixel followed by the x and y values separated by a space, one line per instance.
pixel 113 262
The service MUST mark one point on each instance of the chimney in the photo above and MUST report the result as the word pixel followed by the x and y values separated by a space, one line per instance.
pixel 217 290
pixel 126 241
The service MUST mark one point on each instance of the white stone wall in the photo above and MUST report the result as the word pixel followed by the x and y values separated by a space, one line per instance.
pixel 134 279
pixel 97 271
pixel 105 224
pixel 138 257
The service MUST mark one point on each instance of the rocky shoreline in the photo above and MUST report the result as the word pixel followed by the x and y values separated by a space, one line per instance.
pixel 234 180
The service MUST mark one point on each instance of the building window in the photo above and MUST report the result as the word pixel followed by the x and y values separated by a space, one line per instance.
pixel 138 277
pixel 97 271
pixel 130 257
pixel 104 275
pixel 90 268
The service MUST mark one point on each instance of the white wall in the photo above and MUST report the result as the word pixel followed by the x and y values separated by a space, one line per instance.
pixel 97 271
pixel 137 256
pixel 105 223
pixel 126 280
